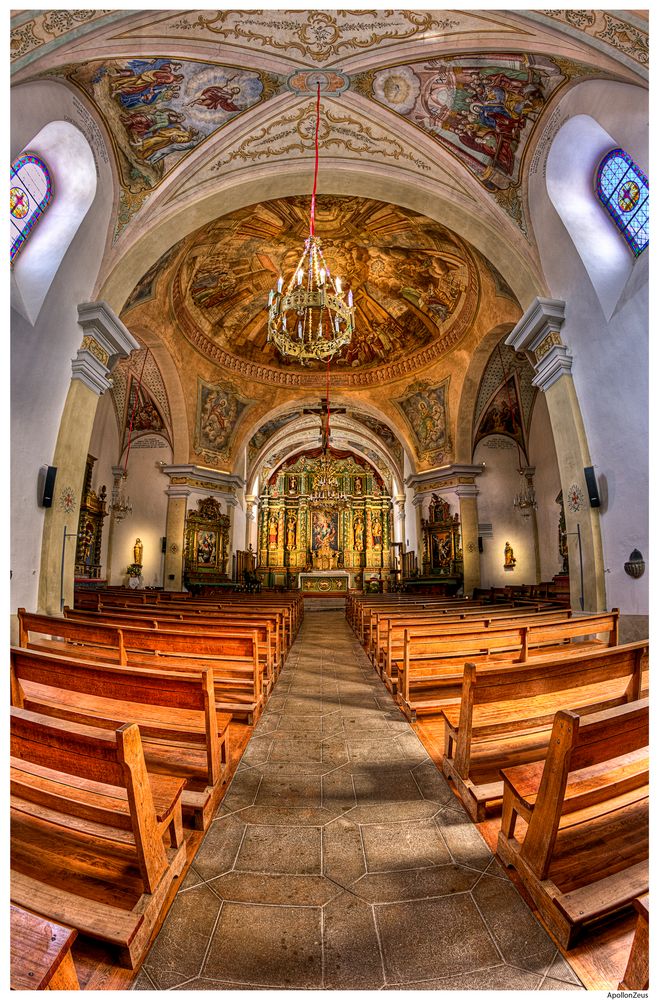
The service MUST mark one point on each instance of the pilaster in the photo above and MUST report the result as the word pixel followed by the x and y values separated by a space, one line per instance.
pixel 105 340
pixel 538 335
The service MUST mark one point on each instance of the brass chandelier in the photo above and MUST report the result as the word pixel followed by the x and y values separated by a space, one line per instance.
pixel 312 319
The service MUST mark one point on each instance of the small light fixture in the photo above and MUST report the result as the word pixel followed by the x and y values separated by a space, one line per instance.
pixel 635 564
pixel 525 501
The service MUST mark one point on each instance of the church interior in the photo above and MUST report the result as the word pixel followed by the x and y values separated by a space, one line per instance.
pixel 329 499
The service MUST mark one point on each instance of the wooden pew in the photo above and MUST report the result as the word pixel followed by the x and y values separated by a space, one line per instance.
pixel 391 631
pixel 636 976
pixel 40 953
pixel 182 732
pixel 506 714
pixel 97 863
pixel 269 645
pixel 234 657
pixel 581 850
pixel 430 658
pixel 366 612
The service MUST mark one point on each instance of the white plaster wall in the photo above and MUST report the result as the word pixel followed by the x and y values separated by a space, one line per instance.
pixel 610 358
pixel 498 484
pixel 547 488
pixel 41 354
pixel 145 485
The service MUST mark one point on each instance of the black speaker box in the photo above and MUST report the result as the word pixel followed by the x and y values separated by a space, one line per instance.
pixel 592 488
pixel 480 545
pixel 46 485
pixel 163 544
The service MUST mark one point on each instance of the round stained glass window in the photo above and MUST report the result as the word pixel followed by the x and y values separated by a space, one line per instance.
pixel 19 202
pixel 628 197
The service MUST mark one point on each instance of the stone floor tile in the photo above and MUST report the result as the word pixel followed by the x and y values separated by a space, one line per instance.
pixel 394 846
pixel 352 959
pixel 432 784
pixel 427 939
pixel 501 977
pixel 343 860
pixel 179 948
pixel 280 946
pixel 338 790
pixel 293 789
pixel 289 815
pixel 560 969
pixel 295 850
pixel 381 785
pixel 393 812
pixel 557 984
pixel 334 754
pixel 419 883
pixel 463 839
pixel 308 750
pixel 275 889
pixel 220 847
pixel 243 790
pixel 518 934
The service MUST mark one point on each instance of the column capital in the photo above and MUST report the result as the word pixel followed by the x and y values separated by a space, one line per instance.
pixel 538 335
pixel 467 490
pixel 105 340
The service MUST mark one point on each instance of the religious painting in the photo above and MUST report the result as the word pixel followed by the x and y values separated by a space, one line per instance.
pixel 218 410
pixel 482 108
pixel 503 415
pixel 158 109
pixel 206 548
pixel 441 550
pixel 324 530
pixel 425 407
pixel 143 415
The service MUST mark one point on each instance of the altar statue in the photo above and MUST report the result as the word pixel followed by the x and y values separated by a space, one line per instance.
pixel 138 551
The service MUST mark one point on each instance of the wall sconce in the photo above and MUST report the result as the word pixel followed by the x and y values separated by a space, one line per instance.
pixel 635 565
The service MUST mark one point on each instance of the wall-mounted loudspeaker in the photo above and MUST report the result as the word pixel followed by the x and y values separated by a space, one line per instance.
pixel 480 544
pixel 592 488
pixel 46 485
pixel 163 544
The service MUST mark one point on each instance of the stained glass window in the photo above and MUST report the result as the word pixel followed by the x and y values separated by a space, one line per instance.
pixel 624 192
pixel 30 193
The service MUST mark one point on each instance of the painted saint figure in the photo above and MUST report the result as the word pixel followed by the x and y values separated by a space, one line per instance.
pixel 509 555
pixel 138 551
pixel 292 526
pixel 274 531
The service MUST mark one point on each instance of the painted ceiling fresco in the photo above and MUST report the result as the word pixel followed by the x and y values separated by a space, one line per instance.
pixel 481 108
pixel 158 109
pixel 415 284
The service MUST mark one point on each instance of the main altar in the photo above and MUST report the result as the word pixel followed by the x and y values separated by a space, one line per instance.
pixel 325 582
pixel 301 543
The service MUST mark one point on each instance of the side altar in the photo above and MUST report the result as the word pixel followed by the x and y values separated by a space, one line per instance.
pixel 325 582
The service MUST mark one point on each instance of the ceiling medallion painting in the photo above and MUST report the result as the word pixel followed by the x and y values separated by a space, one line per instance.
pixel 158 109
pixel 415 283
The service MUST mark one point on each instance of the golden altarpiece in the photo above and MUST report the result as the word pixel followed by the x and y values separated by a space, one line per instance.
pixel 442 548
pixel 297 536
pixel 93 511
pixel 206 545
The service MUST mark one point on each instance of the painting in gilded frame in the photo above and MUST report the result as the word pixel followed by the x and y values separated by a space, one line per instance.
pixel 325 530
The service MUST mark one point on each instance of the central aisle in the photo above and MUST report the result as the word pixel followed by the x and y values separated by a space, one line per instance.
pixel 340 858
